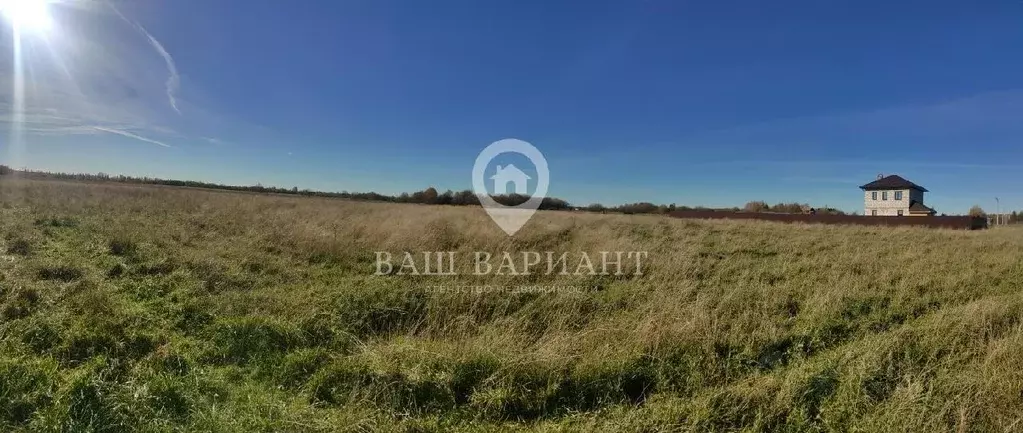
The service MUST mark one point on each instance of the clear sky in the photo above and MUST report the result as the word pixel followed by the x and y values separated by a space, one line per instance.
pixel 693 102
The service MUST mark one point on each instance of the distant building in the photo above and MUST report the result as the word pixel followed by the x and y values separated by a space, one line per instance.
pixel 510 174
pixel 894 196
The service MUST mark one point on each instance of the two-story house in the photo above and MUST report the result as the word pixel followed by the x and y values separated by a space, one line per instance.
pixel 894 196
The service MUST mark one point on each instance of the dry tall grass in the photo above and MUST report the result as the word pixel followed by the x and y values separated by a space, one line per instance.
pixel 159 309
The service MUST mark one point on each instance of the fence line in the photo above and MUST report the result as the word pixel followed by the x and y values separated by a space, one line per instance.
pixel 950 222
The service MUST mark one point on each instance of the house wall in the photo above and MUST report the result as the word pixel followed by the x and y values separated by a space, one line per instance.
pixel 916 195
pixel 888 207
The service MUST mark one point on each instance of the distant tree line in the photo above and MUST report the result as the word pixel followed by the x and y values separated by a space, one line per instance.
pixel 453 198
pixel 649 208
pixel 427 196
pixel 469 198
pixel 762 206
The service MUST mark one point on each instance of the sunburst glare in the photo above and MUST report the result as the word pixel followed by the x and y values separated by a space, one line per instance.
pixel 27 15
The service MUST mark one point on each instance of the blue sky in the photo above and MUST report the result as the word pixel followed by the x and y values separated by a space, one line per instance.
pixel 698 103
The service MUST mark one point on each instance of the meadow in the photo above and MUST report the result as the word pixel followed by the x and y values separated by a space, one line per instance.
pixel 144 308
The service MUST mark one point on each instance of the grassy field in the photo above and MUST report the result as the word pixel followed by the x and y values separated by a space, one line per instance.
pixel 161 309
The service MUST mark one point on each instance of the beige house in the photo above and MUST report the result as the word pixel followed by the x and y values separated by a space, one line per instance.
pixel 894 196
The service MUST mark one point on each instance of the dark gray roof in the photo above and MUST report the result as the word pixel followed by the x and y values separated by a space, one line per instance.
pixel 893 181
pixel 919 207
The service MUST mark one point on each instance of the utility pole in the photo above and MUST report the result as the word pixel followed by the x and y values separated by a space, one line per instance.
pixel 998 211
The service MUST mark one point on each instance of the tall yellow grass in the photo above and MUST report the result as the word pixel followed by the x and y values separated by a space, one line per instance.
pixel 155 308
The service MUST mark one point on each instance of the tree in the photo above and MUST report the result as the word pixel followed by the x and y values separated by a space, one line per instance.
pixel 788 208
pixel 430 195
pixel 977 211
pixel 551 203
pixel 447 198
pixel 465 198
pixel 756 206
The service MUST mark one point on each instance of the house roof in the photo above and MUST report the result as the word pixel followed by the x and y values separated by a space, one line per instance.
pixel 892 181
pixel 509 170
pixel 919 207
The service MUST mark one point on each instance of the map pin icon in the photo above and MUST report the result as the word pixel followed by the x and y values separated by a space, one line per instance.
pixel 510 218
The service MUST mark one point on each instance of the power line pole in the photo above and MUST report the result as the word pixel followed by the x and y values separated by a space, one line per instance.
pixel 998 211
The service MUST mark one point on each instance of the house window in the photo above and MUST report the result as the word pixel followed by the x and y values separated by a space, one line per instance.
pixel 873 212
pixel 900 211
pixel 898 195
pixel 873 195
pixel 884 195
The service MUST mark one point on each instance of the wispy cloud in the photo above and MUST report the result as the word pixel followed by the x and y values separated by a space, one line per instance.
pixel 92 79
pixel 130 135
pixel 174 80
pixel 212 140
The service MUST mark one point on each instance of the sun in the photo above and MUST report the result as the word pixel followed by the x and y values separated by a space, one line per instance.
pixel 27 15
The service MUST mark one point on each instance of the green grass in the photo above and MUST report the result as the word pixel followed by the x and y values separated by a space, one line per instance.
pixel 126 308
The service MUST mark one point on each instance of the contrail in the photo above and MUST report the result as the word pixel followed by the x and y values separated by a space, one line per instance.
pixel 130 135
pixel 174 80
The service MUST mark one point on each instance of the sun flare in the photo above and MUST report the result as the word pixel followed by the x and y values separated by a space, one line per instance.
pixel 27 15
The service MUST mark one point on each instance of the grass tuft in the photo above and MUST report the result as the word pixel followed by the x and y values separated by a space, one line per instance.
pixel 123 247
pixel 20 247
pixel 60 273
